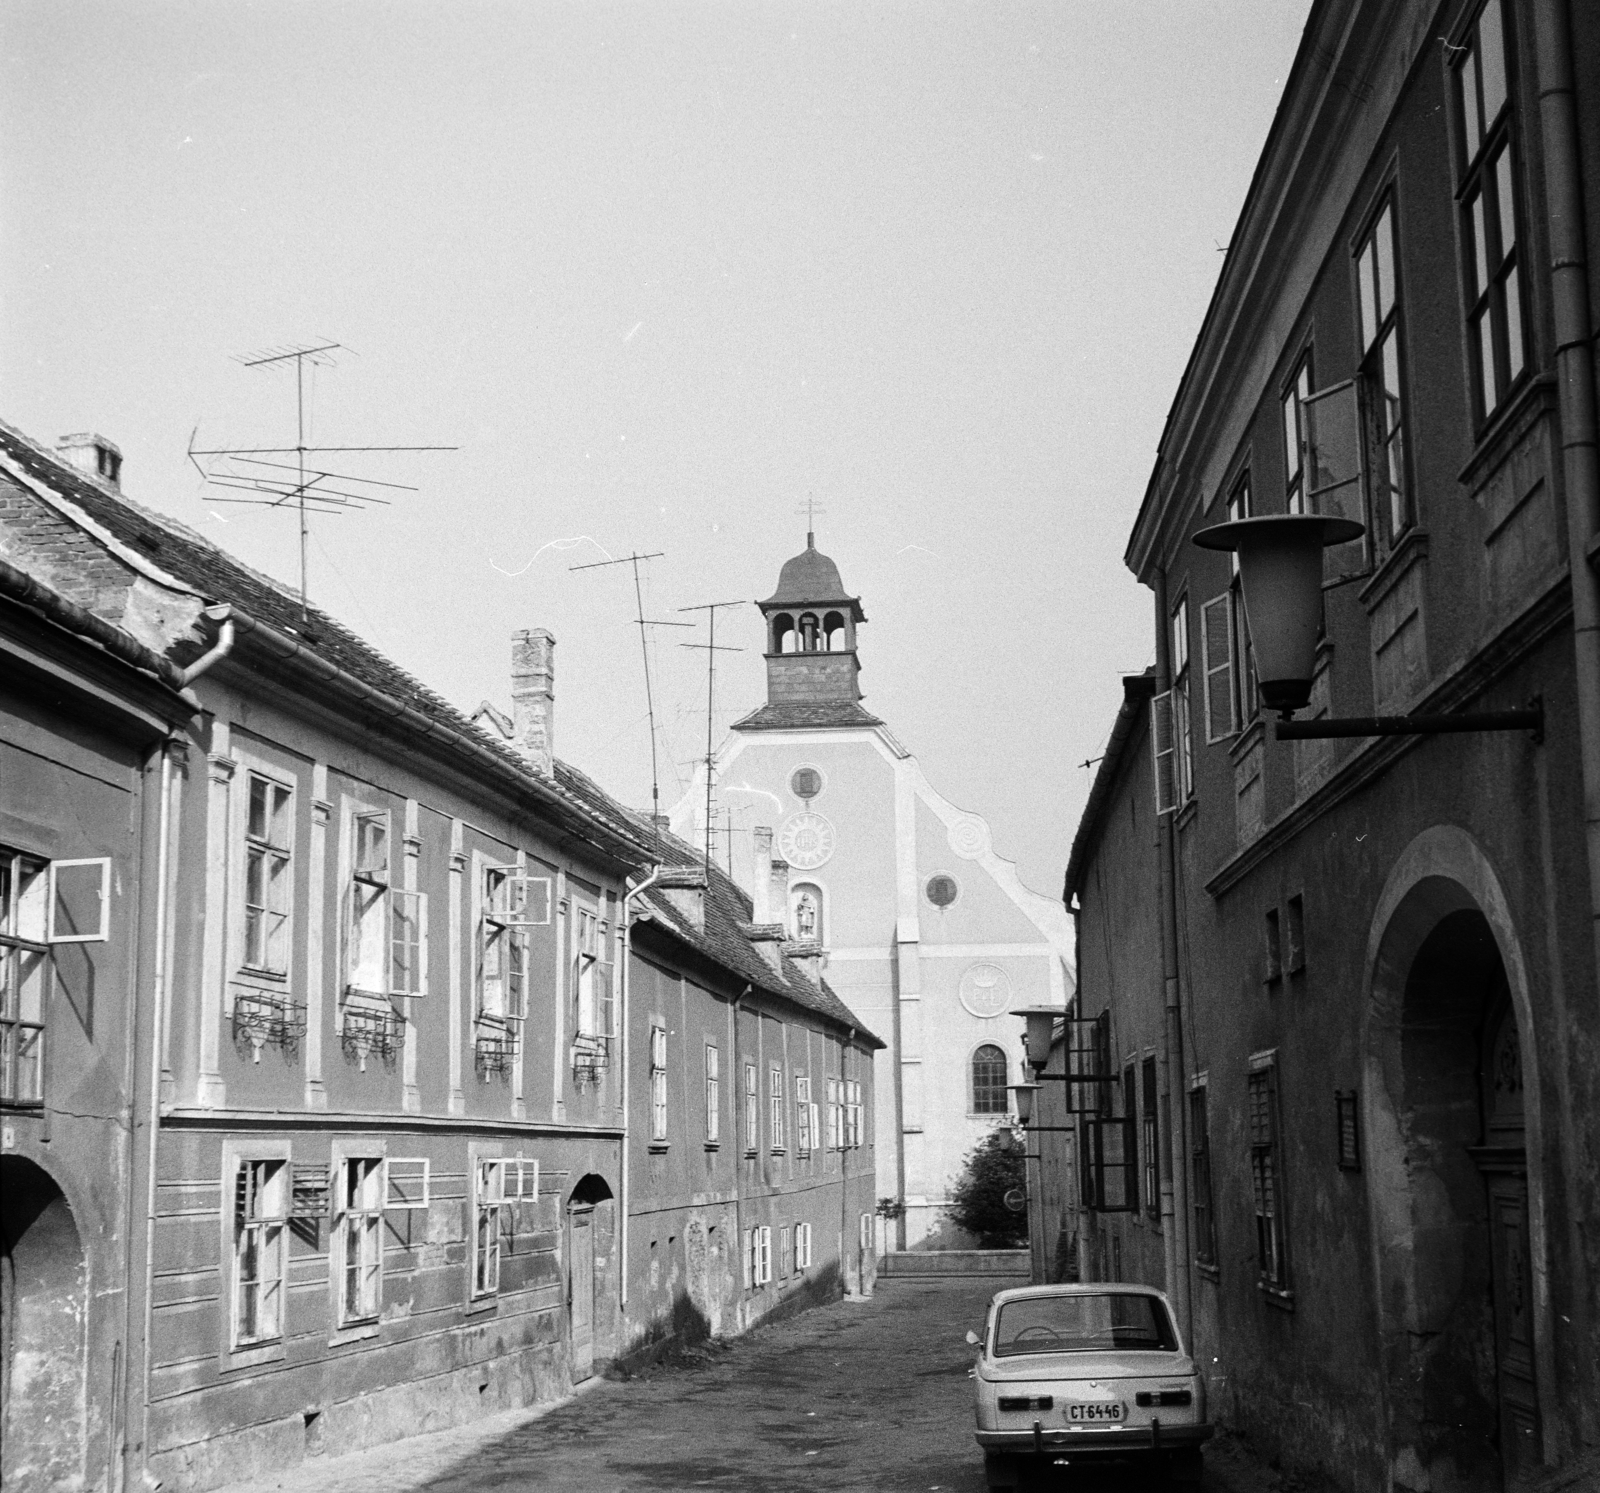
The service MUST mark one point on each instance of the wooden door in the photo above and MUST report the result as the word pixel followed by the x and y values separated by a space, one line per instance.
pixel 1513 1292
pixel 580 1291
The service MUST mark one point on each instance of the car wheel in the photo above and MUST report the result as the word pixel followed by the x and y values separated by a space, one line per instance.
pixel 999 1471
pixel 1185 1467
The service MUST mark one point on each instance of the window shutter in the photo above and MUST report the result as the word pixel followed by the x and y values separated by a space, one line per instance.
pixel 310 1190
pixel 1216 647
pixel 1161 747
pixel 1335 475
pixel 405 1182
pixel 241 1193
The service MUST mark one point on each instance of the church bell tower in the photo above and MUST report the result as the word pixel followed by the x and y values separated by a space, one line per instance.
pixel 811 634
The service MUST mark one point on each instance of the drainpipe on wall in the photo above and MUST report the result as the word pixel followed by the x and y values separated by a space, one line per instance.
pixel 738 1149
pixel 1175 1190
pixel 631 891
pixel 1575 379
pixel 158 1015
pixel 1077 1004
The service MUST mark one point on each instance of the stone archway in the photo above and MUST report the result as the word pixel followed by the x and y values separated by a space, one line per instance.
pixel 591 1275
pixel 1454 1193
pixel 43 1324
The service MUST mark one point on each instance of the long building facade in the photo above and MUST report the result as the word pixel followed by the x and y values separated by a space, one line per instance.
pixel 1343 989
pixel 320 1056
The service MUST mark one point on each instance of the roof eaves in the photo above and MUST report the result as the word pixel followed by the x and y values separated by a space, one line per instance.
pixel 1137 691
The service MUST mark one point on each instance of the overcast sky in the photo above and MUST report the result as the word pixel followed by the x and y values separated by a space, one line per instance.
pixel 661 271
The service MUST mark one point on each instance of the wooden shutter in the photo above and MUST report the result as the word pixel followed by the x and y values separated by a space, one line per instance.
pixel 1216 650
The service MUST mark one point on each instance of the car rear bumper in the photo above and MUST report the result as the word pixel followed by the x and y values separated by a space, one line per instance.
pixel 1107 1441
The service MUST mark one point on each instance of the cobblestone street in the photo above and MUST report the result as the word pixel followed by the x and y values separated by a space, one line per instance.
pixel 866 1395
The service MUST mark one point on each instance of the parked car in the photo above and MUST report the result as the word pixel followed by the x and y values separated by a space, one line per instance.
pixel 1072 1374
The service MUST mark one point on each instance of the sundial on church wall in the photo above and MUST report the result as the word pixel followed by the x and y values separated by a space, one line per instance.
pixel 806 841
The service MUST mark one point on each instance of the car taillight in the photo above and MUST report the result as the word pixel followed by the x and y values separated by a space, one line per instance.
pixel 1023 1402
pixel 1147 1397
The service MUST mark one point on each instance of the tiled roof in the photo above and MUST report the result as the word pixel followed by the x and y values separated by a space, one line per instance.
pixel 726 907
pixel 194 561
pixel 791 717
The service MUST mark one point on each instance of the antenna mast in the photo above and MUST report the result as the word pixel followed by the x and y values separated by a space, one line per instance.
pixel 649 696
pixel 712 648
pixel 306 496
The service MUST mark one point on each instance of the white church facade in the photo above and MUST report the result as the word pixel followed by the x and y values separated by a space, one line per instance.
pixel 929 935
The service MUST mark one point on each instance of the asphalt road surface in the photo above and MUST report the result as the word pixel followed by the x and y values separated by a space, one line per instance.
pixel 871 1396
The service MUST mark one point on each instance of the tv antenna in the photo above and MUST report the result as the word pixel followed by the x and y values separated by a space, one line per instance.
pixel 644 650
pixel 712 648
pixel 811 508
pixel 305 489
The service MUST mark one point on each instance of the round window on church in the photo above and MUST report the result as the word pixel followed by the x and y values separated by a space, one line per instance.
pixel 942 890
pixel 805 783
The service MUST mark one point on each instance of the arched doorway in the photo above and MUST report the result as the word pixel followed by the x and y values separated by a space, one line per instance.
pixel 43 1321
pixel 591 1231
pixel 1450 1129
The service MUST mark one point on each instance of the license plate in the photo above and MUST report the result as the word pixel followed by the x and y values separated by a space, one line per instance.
pixel 1100 1410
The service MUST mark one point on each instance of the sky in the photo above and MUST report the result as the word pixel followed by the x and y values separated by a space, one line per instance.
pixel 661 273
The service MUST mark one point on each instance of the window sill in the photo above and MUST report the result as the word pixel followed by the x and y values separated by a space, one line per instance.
pixel 1185 816
pixel 659 1147
pixel 1210 1271
pixel 355 1332
pixel 713 1145
pixel 277 976
pixel 1279 1296
pixel 252 1355
pixel 751 1153
pixel 478 1305
pixel 1413 546
pixel 780 1151
pixel 1247 738
pixel 1505 428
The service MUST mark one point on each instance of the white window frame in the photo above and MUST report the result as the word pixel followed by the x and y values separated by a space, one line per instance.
pixel 785 1251
pixel 775 1107
pixel 1182 715
pixel 713 1094
pixel 367 897
pixel 658 1082
pixel 275 943
pixel 268 1232
pixel 407 1183
pixel 764 1255
pixel 26 973
pixel 802 1246
pixel 358 1237
pixel 488 1208
pixel 752 1109
pixel 510 903
pixel 835 1116
pixel 805 1116
pixel 103 929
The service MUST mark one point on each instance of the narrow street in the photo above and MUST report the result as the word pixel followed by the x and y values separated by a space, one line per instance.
pixel 858 1397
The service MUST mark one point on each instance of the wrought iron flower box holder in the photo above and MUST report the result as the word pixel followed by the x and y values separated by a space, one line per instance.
pixel 494 1049
pixel 266 1019
pixel 368 1032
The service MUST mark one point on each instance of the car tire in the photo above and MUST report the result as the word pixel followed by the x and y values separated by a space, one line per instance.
pixel 999 1471
pixel 1185 1468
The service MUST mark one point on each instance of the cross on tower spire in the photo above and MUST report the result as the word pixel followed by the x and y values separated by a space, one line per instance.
pixel 811 508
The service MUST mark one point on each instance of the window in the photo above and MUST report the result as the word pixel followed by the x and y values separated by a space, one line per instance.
pixel 989 1081
pixel 260 1212
pixel 1378 308
pixel 785 1252
pixel 1182 762
pixel 1295 953
pixel 591 983
pixel 1294 436
pixel 1150 1139
pixel 757 1257
pixel 776 1105
pixel 1273 946
pixel 268 882
pixel 713 1094
pixel 24 977
pixel 802 1246
pixel 1229 656
pixel 488 1198
pixel 835 1116
pixel 1205 1227
pixel 852 1114
pixel 805 1116
pixel 1130 1111
pixel 805 912
pixel 752 1111
pixel 359 1234
pixel 384 954
pixel 658 1083
pixel 1487 194
pixel 1347 1130
pixel 513 902
pixel 1265 1176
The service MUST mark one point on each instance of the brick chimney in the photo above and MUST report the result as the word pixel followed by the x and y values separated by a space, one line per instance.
pixel 533 697
pixel 761 876
pixel 93 454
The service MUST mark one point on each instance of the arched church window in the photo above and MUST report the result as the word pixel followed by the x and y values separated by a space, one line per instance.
pixel 808 632
pixel 805 912
pixel 989 1081
pixel 833 632
pixel 783 635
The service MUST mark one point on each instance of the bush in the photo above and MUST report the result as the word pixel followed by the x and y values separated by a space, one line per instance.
pixel 994 1167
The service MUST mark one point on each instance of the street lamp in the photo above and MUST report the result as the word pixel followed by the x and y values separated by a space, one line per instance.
pixel 1280 573
pixel 1024 1095
pixel 1041 1022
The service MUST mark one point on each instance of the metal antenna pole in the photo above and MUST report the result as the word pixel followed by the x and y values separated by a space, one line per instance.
pixel 649 695
pixel 712 649
pixel 310 490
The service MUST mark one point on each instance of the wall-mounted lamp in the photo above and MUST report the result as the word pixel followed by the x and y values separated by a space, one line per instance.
pixel 1280 573
pixel 1024 1093
pixel 1041 1023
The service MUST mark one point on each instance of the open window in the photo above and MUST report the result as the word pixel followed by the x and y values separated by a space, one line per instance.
pixel 1335 478
pixel 513 902
pixel 1109 1182
pixel 25 974
pixel 593 992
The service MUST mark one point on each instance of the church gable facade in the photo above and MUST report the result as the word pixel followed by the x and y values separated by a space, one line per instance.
pixel 928 934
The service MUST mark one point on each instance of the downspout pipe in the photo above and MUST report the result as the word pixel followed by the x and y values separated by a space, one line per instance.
pixel 1575 380
pixel 1175 1191
pixel 158 1019
pixel 630 892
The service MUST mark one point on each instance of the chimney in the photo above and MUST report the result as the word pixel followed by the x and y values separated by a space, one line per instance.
pixel 761 876
pixel 685 888
pixel 93 454
pixel 778 891
pixel 533 697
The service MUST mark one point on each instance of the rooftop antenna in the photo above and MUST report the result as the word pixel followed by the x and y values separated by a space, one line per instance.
pixel 649 697
pixel 713 648
pixel 308 490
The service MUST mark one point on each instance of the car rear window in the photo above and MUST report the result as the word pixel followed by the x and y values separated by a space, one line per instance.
pixel 1083 1324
